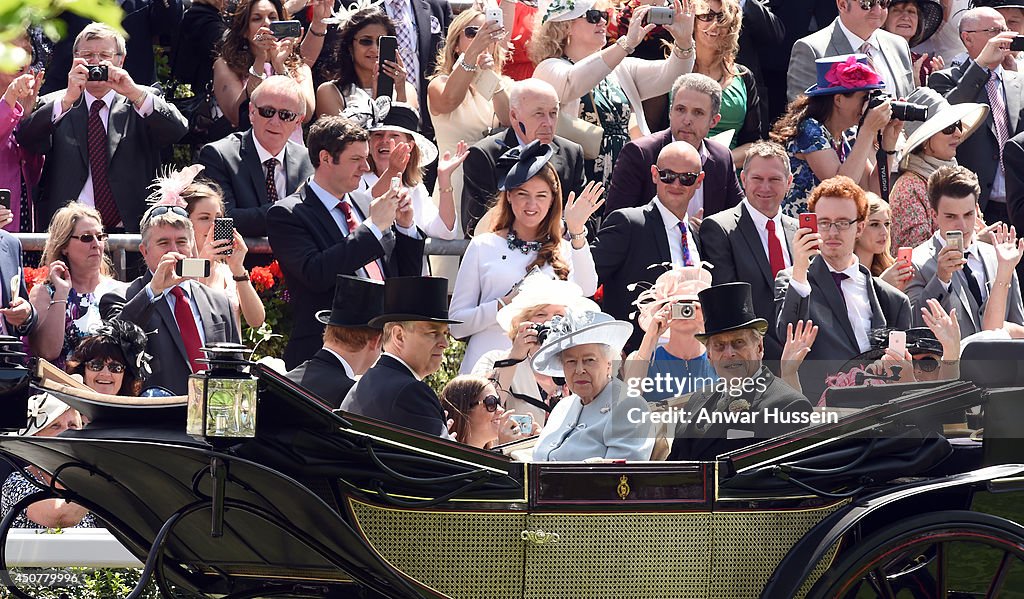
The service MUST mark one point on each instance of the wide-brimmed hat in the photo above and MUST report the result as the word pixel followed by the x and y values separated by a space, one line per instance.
pixel 404 119
pixel 920 340
pixel 540 290
pixel 132 342
pixel 527 161
pixel 564 10
pixel 929 19
pixel 943 114
pixel 579 328
pixel 679 283
pixel 414 298
pixel 728 307
pixel 356 301
pixel 43 409
pixel 844 75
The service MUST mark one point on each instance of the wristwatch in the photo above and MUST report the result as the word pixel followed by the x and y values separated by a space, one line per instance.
pixel 241 278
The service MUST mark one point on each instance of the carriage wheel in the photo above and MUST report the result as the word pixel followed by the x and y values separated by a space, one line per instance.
pixel 941 555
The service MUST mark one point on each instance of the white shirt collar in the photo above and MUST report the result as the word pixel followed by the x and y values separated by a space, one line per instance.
pixel 760 220
pixel 344 364
pixel 855 41
pixel 853 271
pixel 264 153
pixel 108 99
pixel 326 198
pixel 671 220
pixel 403 363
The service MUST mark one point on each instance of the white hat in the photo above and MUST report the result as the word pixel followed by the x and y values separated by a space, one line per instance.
pixel 943 115
pixel 565 10
pixel 43 409
pixel 579 328
pixel 542 291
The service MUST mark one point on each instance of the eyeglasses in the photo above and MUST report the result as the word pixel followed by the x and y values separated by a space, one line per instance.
pixel 471 31
pixel 97 56
pixel 869 4
pixel 957 126
pixel 594 16
pixel 687 179
pixel 711 16
pixel 992 30
pixel 89 237
pixel 367 41
pixel 159 210
pixel 926 364
pixel 268 112
pixel 99 365
pixel 491 403
pixel 840 225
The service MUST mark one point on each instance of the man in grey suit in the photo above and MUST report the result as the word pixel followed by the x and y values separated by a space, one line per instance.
pixel 990 77
pixel 179 314
pixel 961 279
pixel 241 162
pixel 856 30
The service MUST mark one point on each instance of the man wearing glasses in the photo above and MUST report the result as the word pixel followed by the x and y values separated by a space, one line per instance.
pixel 857 30
pixel 258 167
pixel 834 290
pixel 102 136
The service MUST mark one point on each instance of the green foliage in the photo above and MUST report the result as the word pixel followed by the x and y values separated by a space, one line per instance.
pixel 17 15
pixel 449 369
pixel 104 583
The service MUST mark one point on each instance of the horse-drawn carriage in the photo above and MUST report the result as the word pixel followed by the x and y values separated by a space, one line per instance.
pixel 313 503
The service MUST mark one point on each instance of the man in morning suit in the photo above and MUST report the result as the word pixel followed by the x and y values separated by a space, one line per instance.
pixel 834 290
pixel 318 233
pixel 989 77
pixel 102 139
pixel 258 167
pixel 180 315
pixel 351 345
pixel 752 242
pixel 415 321
pixel 734 338
pixel 533 112
pixel 855 31
pixel 696 100
pixel 631 240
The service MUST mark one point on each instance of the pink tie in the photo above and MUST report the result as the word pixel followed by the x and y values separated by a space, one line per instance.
pixel 372 270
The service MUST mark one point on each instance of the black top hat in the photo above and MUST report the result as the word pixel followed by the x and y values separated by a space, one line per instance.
pixel 997 3
pixel 527 161
pixel 356 301
pixel 728 307
pixel 415 298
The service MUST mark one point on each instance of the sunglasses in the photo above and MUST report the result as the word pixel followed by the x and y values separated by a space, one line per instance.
pixel 869 4
pixel 268 112
pixel 99 365
pixel 366 42
pixel 471 31
pixel 957 126
pixel 594 16
pixel 687 179
pixel 926 364
pixel 159 210
pixel 491 403
pixel 89 237
pixel 711 16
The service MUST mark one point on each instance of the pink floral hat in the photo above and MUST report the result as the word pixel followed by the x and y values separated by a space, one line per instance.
pixel 679 283
pixel 844 75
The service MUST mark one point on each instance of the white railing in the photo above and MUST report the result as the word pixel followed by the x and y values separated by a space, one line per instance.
pixel 79 547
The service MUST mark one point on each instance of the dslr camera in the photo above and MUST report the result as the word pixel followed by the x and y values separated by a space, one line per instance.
pixel 901 111
pixel 98 72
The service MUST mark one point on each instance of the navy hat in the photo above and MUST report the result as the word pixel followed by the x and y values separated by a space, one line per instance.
pixel 414 298
pixel 728 307
pixel 920 340
pixel 527 161
pixel 844 75
pixel 356 302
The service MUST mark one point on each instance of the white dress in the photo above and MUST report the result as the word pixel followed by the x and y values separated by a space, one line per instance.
pixel 489 270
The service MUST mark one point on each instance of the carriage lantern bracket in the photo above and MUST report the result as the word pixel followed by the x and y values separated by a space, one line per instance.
pixel 222 401
pixel 15 386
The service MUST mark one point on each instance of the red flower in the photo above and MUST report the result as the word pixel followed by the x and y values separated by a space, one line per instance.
pixel 261 278
pixel 34 276
pixel 599 294
pixel 851 74
pixel 275 270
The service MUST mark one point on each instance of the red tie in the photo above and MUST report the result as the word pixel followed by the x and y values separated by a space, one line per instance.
pixel 372 270
pixel 187 327
pixel 775 256
pixel 96 138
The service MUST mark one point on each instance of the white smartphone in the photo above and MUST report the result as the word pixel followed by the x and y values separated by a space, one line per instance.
pixel 493 15
pixel 396 183
pixel 955 239
pixel 898 341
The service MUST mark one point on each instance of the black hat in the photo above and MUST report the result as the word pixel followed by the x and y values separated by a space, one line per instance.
pixel 415 298
pixel 728 307
pixel 526 161
pixel 131 340
pixel 997 3
pixel 356 301
pixel 920 340
pixel 404 119
pixel 929 19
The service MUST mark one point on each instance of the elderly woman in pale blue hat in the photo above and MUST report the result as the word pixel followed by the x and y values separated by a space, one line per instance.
pixel 828 132
pixel 601 418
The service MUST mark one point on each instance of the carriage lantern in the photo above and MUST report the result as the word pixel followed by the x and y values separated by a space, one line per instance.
pixel 222 400
pixel 14 385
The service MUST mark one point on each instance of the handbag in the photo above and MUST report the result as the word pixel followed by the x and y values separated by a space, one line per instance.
pixel 582 132
pixel 206 122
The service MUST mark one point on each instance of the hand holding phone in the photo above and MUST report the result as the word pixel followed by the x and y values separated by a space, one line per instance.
pixel 905 255
pixel 494 15
pixel 224 228
pixel 388 53
pixel 286 29
pixel 898 342
pixel 809 220
pixel 192 268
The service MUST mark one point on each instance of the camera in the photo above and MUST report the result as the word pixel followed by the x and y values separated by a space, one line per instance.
pixel 542 332
pixel 901 111
pixel 192 268
pixel 98 72
pixel 684 311
pixel 660 15
pixel 1017 44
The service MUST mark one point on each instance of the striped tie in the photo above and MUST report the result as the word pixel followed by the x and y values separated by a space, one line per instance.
pixel 999 116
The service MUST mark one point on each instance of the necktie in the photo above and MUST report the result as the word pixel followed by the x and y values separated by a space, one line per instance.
pixel 687 261
pixel 271 166
pixel 187 327
pixel 999 117
pixel 408 45
pixel 867 50
pixel 839 277
pixel 972 283
pixel 372 269
pixel 775 257
pixel 96 138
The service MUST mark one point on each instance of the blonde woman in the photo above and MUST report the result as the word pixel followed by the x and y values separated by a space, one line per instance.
pixel 873 246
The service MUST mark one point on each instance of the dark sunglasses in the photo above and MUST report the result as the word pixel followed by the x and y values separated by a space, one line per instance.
pixel 88 237
pixel 594 16
pixel 869 4
pixel 687 179
pixel 99 365
pixel 471 31
pixel 268 112
pixel 926 364
pixel 491 403
pixel 155 212
pixel 957 126
pixel 711 16
pixel 367 41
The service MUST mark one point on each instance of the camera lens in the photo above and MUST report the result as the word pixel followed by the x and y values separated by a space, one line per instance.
pixel 908 111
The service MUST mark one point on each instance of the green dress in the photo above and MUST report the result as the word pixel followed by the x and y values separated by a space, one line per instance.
pixel 612 114
pixel 733 111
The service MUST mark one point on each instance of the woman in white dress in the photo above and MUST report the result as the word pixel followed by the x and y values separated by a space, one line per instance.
pixel 526 234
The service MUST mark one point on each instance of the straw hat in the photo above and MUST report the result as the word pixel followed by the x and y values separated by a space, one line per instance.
pixel 943 115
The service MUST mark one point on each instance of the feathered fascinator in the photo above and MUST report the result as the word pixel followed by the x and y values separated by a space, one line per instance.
pixel 677 284
pixel 132 341
pixel 167 189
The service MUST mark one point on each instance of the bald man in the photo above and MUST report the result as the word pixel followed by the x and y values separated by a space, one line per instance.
pixel 533 110
pixel 632 239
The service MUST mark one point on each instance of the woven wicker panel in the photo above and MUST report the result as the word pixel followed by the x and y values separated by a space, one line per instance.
pixel 620 556
pixel 465 555
pixel 818 571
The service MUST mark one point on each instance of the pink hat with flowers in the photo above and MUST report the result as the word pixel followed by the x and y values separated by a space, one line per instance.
pixel 844 75
pixel 679 283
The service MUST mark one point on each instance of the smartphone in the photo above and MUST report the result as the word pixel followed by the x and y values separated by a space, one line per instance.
pixel 1017 44
pixel 388 52
pixel 684 311
pixel 396 183
pixel 898 341
pixel 955 239
pixel 905 255
pixel 283 29
pixel 493 15
pixel 193 268
pixel 660 15
pixel 524 422
pixel 5 198
pixel 224 228
pixel 809 220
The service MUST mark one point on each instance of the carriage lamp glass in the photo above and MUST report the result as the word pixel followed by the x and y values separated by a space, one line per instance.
pixel 222 400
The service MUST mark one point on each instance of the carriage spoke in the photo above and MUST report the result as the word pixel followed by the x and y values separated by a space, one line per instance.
pixel 996 587
pixel 940 571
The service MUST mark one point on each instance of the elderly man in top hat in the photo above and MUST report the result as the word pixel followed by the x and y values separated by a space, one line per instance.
pixel 351 345
pixel 734 336
pixel 415 322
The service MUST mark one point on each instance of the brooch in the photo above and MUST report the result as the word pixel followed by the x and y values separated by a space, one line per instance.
pixel 739 405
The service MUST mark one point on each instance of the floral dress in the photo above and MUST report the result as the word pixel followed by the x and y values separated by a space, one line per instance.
pixel 612 109
pixel 82 315
pixel 913 220
pixel 16 488
pixel 811 136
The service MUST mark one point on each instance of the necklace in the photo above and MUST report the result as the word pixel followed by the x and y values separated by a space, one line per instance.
pixel 514 243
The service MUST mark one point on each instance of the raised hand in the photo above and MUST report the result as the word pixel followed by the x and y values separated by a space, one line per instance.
pixel 579 209
pixel 20 89
pixel 799 340
pixel 944 325
pixel 60 279
pixel 449 162
pixel 681 27
pixel 898 275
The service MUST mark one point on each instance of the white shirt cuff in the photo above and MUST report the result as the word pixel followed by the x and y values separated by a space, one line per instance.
pixel 408 231
pixel 802 289
pixel 373 229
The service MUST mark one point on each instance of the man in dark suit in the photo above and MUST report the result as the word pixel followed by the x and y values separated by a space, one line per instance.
pixel 415 322
pixel 752 241
pixel 533 112
pixel 180 314
pixel 17 316
pixel 1013 157
pixel 241 162
pixel 989 77
pixel 318 233
pixel 102 139
pixel 799 18
pixel 834 290
pixel 762 28
pixel 696 100
pixel 421 27
pixel 351 345
pixel 633 239
pixel 734 337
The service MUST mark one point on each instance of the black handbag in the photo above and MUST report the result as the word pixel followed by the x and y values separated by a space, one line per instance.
pixel 206 122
